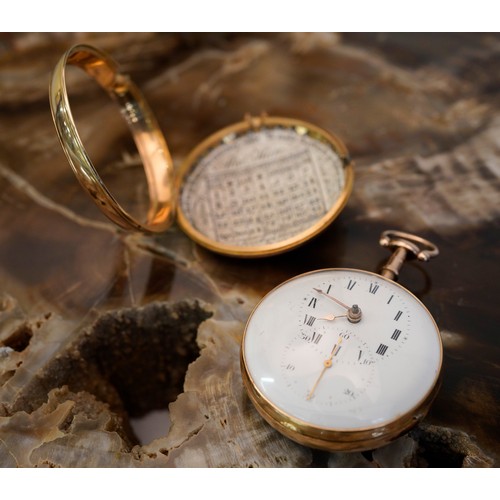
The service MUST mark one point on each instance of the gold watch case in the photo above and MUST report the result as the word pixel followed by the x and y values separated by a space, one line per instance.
pixel 290 178
pixel 333 438
pixel 258 125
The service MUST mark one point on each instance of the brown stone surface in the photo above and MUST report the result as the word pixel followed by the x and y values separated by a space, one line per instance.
pixel 97 325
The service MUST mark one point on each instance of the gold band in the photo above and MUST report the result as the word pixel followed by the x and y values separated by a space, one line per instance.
pixel 147 136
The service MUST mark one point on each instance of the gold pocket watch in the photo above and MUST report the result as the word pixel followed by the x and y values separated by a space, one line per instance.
pixel 258 187
pixel 344 359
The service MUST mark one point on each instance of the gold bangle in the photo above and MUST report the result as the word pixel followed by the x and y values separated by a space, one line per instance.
pixel 147 136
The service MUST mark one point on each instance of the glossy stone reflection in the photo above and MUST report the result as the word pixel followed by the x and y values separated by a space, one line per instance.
pixel 90 316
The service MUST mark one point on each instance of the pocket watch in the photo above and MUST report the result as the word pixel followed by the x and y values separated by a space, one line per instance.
pixel 258 187
pixel 344 359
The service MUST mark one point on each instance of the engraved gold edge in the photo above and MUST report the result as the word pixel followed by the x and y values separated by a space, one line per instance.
pixel 76 154
pixel 331 438
pixel 282 246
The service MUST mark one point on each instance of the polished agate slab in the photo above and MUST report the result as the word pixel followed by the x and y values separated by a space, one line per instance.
pixel 99 327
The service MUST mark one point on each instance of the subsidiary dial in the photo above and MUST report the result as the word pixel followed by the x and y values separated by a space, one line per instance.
pixel 331 368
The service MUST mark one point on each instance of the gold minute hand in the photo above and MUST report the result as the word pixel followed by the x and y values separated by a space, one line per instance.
pixel 332 298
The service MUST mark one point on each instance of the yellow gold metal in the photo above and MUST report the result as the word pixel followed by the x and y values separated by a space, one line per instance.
pixel 332 317
pixel 164 187
pixel 252 124
pixel 143 126
pixel 406 245
pixel 326 364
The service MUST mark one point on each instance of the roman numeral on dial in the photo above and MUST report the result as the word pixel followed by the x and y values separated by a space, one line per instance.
pixel 351 284
pixel 382 348
pixel 309 320
pixel 398 315
pixel 314 338
pixel 396 334
pixel 373 288
pixel 312 302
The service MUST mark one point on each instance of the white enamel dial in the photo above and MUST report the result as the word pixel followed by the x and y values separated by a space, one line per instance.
pixel 314 367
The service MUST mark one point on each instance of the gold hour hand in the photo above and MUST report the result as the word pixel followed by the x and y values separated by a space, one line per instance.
pixel 353 313
pixel 331 317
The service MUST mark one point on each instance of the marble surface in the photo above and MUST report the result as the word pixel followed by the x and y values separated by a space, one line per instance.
pixel 98 326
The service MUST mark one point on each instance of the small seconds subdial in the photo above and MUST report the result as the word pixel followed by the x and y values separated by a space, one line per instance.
pixel 338 367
